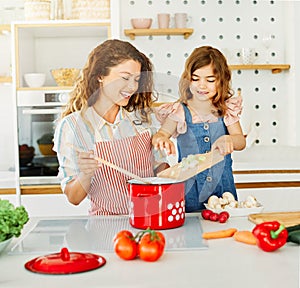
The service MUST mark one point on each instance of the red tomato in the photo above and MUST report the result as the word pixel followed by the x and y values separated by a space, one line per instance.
pixel 123 233
pixel 161 236
pixel 206 213
pixel 150 248
pixel 214 216
pixel 126 248
pixel 223 219
pixel 225 213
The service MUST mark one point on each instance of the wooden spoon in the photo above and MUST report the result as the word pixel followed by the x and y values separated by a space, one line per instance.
pixel 107 163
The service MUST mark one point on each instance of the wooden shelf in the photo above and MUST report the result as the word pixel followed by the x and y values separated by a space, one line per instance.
pixel 4 29
pixel 45 88
pixel 131 33
pixel 5 79
pixel 275 68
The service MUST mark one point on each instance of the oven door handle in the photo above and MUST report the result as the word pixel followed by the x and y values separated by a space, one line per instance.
pixel 41 111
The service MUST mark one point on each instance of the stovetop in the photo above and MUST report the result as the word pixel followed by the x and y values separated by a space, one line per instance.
pixel 95 234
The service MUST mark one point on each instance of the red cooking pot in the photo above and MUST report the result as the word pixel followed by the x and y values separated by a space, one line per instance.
pixel 159 205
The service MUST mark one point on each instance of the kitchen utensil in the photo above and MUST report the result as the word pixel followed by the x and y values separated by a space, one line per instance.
pixel 35 79
pixel 181 20
pixel 237 212
pixel 26 154
pixel 46 149
pixel 65 262
pixel 141 23
pixel 65 76
pixel 4 244
pixel 182 173
pixel 111 165
pixel 159 205
pixel 163 20
pixel 285 218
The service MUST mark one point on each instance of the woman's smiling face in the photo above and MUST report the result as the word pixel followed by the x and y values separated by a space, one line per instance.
pixel 121 83
pixel 203 84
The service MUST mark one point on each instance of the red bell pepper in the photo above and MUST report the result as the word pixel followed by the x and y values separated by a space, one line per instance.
pixel 270 235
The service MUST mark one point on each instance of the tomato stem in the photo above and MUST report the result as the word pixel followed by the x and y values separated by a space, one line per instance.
pixel 140 234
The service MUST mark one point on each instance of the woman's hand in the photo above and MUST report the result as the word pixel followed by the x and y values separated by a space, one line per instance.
pixel 224 144
pixel 77 189
pixel 161 141
pixel 87 163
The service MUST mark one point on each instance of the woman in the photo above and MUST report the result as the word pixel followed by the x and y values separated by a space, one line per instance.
pixel 107 116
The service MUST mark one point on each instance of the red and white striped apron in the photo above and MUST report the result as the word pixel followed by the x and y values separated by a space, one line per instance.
pixel 109 193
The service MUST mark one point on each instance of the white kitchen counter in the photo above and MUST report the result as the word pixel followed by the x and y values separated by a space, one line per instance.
pixel 226 263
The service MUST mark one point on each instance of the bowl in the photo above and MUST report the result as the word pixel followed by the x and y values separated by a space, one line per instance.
pixel 238 212
pixel 4 244
pixel 65 76
pixel 141 23
pixel 26 154
pixel 35 79
pixel 46 149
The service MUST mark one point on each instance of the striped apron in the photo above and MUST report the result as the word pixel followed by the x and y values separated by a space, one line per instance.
pixel 109 192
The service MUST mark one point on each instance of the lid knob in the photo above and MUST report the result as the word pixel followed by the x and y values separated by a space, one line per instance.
pixel 64 254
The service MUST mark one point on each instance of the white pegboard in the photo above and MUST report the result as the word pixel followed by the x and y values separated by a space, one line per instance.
pixel 228 25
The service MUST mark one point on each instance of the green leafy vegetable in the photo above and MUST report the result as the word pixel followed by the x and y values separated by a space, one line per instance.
pixel 12 220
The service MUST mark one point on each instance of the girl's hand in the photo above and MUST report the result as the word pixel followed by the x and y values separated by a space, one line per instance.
pixel 161 142
pixel 87 163
pixel 224 144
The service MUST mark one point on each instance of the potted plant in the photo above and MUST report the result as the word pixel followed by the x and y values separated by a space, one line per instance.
pixel 12 221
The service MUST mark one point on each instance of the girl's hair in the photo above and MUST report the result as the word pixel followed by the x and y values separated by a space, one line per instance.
pixel 105 56
pixel 199 58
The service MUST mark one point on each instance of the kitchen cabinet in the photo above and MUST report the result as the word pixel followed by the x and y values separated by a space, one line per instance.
pixel 5 79
pixel 4 74
pixel 40 47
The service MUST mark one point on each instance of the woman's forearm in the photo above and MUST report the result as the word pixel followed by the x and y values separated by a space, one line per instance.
pixel 77 189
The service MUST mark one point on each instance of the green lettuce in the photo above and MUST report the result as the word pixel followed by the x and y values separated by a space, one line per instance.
pixel 12 220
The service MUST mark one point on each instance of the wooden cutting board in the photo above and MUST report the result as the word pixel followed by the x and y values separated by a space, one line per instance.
pixel 286 218
pixel 180 173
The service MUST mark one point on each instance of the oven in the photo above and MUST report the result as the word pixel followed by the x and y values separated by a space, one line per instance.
pixel 37 112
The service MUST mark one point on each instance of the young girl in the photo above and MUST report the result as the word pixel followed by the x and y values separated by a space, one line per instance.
pixel 108 115
pixel 205 118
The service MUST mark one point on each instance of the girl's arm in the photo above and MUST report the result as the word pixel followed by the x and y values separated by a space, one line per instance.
pixel 161 140
pixel 226 144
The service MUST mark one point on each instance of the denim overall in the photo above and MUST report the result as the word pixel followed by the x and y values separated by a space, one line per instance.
pixel 214 181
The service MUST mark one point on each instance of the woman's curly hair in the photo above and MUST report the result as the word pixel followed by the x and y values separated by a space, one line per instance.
pixel 105 56
pixel 200 57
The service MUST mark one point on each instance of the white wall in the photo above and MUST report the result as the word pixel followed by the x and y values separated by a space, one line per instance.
pixel 229 27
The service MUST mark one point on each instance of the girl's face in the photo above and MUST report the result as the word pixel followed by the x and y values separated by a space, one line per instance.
pixel 203 84
pixel 121 83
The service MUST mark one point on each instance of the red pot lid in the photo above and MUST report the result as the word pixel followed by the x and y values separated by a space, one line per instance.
pixel 65 262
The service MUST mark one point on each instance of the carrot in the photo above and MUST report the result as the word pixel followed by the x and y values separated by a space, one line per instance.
pixel 219 234
pixel 245 237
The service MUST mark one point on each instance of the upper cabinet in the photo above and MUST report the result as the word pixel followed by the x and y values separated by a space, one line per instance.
pixel 41 47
